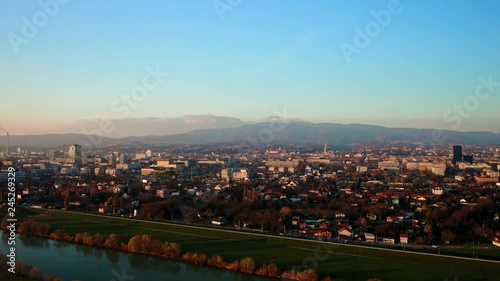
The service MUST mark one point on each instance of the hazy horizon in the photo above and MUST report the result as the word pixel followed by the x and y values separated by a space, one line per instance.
pixel 162 126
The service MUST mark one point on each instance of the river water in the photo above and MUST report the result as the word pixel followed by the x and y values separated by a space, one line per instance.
pixel 78 262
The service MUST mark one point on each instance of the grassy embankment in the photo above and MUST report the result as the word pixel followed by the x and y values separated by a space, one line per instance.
pixel 343 262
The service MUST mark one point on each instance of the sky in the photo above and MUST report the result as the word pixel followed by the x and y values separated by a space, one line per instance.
pixel 385 62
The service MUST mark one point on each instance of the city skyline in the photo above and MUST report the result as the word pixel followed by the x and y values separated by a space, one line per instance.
pixel 388 63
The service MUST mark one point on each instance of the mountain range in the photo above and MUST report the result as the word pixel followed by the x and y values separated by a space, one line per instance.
pixel 267 132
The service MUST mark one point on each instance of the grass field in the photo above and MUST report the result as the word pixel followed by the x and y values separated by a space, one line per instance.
pixel 338 261
pixel 21 213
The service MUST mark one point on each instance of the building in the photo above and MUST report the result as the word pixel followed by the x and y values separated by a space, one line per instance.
pixel 361 169
pixel 457 154
pixel 388 165
pixel 122 159
pixel 75 153
pixel 284 163
pixel 111 159
pixel 235 174
pixel 468 159
pixel 436 168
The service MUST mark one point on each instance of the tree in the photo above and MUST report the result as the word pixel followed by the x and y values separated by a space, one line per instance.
pixel 78 238
pixel 174 250
pixel 57 234
pixel 364 223
pixel 112 242
pixel 98 239
pixel 35 273
pixel 187 257
pixel 87 239
pixel 235 265
pixel 199 259
pixel 448 236
pixel 286 211
pixel 247 265
pixel 135 244
pixel 145 244
pixel 262 270
pixel 51 278
pixel 272 270
pixel 307 275
pixel 216 261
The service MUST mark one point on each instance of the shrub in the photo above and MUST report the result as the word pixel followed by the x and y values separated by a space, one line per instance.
pixel 262 270
pixel 98 239
pixel 235 265
pixel 78 238
pixel 272 270
pixel 187 257
pixel 112 242
pixel 57 234
pixel 87 239
pixel 247 265
pixel 216 261
pixel 35 273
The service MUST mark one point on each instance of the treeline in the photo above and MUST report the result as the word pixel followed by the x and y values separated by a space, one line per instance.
pixel 462 224
pixel 25 270
pixel 144 244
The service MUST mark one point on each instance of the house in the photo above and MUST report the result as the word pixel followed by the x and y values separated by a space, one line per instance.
pixel 369 237
pixel 371 217
pixel 403 238
pixel 387 240
pixel 344 233
pixel 323 233
pixel 339 215
pixel 219 221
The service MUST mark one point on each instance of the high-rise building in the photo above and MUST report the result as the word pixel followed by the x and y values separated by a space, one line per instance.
pixel 75 153
pixel 457 154
pixel 122 158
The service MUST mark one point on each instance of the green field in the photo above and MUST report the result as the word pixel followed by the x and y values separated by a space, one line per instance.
pixel 337 261
pixel 20 212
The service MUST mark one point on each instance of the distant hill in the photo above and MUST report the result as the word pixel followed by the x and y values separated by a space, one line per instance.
pixel 294 132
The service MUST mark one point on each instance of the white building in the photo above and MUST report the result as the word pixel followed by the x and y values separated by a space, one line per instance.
pixel 388 165
pixel 436 168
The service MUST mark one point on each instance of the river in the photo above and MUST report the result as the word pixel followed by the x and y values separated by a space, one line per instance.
pixel 78 262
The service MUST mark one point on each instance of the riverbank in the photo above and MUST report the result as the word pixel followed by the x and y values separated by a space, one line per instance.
pixel 5 276
pixel 145 245
pixel 338 261
pixel 23 272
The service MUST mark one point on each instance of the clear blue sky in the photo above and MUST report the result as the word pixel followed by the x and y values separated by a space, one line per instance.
pixel 263 56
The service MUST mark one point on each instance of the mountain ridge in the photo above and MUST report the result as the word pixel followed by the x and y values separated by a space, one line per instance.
pixel 268 132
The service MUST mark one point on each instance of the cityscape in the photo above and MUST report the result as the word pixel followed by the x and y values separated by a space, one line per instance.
pixel 249 140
